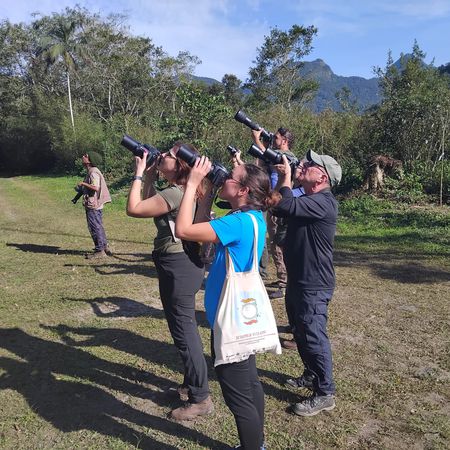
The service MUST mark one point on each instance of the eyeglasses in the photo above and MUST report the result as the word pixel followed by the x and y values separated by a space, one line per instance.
pixel 230 178
pixel 308 164
pixel 170 154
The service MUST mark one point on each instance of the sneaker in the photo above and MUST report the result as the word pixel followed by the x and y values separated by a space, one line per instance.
pixel 279 293
pixel 190 411
pixel 300 382
pixel 96 255
pixel 108 251
pixel 314 405
pixel 289 344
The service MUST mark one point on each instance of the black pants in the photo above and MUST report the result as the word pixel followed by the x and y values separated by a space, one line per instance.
pixel 179 281
pixel 244 396
pixel 309 312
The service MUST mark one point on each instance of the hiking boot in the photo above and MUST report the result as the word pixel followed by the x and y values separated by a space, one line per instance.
pixel 96 255
pixel 289 344
pixel 300 382
pixel 190 411
pixel 181 392
pixel 263 447
pixel 314 405
pixel 279 293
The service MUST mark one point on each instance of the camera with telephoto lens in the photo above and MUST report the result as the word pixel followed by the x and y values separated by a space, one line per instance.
pixel 270 156
pixel 138 149
pixel 80 191
pixel 241 117
pixel 218 173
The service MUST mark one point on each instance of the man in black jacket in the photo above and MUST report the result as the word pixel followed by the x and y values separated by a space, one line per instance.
pixel 308 255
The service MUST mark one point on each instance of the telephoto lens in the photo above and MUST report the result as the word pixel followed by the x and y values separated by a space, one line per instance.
pixel 138 149
pixel 241 117
pixel 218 173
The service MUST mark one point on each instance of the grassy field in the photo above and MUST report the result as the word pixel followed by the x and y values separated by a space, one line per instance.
pixel 86 358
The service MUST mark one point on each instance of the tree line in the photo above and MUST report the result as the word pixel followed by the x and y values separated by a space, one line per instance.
pixel 74 81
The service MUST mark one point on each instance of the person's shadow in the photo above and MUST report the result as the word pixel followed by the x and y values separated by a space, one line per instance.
pixel 115 307
pixel 45 375
pixel 49 249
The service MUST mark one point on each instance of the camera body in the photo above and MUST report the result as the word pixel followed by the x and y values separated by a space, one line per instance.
pixel 80 191
pixel 241 117
pixel 218 173
pixel 270 156
pixel 138 149
pixel 232 150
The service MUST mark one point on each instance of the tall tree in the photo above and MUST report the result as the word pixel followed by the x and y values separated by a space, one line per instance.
pixel 276 75
pixel 413 114
pixel 60 41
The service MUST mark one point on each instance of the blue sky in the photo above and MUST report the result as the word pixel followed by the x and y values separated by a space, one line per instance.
pixel 353 35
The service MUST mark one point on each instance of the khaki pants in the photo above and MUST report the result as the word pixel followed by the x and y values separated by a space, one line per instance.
pixel 276 251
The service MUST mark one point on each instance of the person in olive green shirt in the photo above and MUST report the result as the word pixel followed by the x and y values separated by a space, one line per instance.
pixel 179 277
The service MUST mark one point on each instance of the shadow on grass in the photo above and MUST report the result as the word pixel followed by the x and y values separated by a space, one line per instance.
pixel 391 266
pixel 122 307
pixel 54 250
pixel 49 249
pixel 103 268
pixel 55 233
pixel 71 405
pixel 154 351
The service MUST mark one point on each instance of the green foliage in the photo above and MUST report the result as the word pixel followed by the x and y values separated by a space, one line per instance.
pixel 276 78
pixel 123 84
pixel 197 117
pixel 408 189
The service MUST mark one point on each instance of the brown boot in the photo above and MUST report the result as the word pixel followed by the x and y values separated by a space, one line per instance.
pixel 289 344
pixel 96 255
pixel 193 410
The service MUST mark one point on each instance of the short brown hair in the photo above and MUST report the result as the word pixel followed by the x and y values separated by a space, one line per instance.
pixel 288 135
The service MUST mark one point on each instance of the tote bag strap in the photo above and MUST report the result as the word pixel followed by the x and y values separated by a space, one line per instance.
pixel 255 265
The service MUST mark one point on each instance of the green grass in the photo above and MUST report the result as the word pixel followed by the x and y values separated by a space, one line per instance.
pixel 86 356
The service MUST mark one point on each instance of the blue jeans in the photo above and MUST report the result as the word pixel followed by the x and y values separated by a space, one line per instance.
pixel 94 219
pixel 309 313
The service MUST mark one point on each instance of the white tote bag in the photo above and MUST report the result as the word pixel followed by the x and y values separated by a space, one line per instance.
pixel 244 323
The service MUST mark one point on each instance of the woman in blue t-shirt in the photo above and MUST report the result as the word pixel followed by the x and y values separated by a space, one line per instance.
pixel 248 191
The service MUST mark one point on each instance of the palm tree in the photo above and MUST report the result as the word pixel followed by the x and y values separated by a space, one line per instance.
pixel 60 42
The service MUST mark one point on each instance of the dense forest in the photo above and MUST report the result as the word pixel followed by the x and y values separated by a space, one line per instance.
pixel 75 81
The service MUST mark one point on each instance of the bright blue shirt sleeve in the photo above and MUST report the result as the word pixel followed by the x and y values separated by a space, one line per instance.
pixel 235 232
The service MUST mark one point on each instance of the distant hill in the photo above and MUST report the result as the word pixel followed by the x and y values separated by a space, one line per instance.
pixel 363 92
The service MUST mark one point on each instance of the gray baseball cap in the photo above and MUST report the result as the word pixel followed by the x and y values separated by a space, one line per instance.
pixel 331 166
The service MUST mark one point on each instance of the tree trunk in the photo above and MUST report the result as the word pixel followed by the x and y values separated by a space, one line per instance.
pixel 70 101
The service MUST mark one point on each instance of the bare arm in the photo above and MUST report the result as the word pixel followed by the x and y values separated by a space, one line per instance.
pixel 153 205
pixel 184 228
pixel 92 187
pixel 284 174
